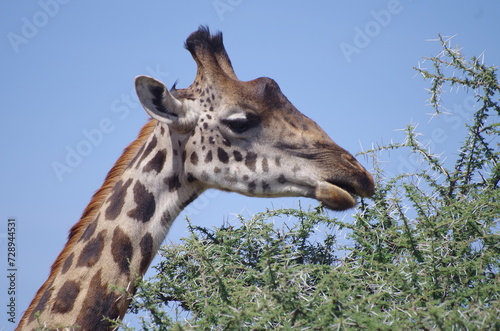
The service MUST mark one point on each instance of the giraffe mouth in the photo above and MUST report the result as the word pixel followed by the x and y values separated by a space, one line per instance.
pixel 335 196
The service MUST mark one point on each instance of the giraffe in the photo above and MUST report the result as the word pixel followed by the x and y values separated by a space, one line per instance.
pixel 220 132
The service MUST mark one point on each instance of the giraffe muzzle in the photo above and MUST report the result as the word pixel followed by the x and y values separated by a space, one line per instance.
pixel 338 194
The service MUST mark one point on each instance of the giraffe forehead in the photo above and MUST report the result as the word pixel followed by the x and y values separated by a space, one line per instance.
pixel 261 94
pixel 234 100
pixel 272 108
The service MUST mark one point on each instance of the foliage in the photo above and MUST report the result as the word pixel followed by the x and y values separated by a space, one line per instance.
pixel 424 252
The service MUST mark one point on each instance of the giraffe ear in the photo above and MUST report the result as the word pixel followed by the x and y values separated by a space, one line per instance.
pixel 161 105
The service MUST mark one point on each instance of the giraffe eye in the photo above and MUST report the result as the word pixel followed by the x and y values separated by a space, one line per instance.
pixel 241 123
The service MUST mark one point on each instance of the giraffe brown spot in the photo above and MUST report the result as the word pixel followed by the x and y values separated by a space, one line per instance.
pixel 245 177
pixel 190 177
pixel 89 231
pixel 208 157
pixel 99 306
pixel 149 148
pixel 146 245
pixel 237 156
pixel 157 162
pixel 204 176
pixel 194 158
pixel 251 187
pixel 265 186
pixel 42 302
pixel 117 199
pixel 217 170
pixel 222 155
pixel 231 179
pixel 145 202
pixel 250 160
pixel 282 179
pixel 166 219
pixel 136 157
pixel 295 169
pixel 173 183
pixel 265 165
pixel 66 296
pixel 205 125
pixel 121 249
pixel 92 251
pixel 67 263
pixel 277 161
pixel 188 201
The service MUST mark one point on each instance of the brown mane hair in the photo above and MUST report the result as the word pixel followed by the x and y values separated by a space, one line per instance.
pixel 94 205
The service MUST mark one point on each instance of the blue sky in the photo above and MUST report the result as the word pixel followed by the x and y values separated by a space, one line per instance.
pixel 68 67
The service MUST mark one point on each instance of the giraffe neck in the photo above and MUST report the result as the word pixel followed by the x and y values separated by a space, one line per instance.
pixel 109 249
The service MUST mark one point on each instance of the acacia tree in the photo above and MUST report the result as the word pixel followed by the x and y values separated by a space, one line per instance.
pixel 424 252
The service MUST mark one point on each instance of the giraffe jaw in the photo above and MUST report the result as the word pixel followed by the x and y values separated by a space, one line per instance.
pixel 334 197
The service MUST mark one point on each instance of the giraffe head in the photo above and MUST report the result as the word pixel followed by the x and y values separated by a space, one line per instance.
pixel 246 137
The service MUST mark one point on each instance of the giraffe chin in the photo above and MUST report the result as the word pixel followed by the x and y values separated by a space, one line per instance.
pixel 334 197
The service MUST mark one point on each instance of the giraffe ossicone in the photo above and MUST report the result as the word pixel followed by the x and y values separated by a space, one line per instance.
pixel 219 132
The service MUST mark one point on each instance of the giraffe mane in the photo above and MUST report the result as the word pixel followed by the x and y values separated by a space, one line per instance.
pixel 95 203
